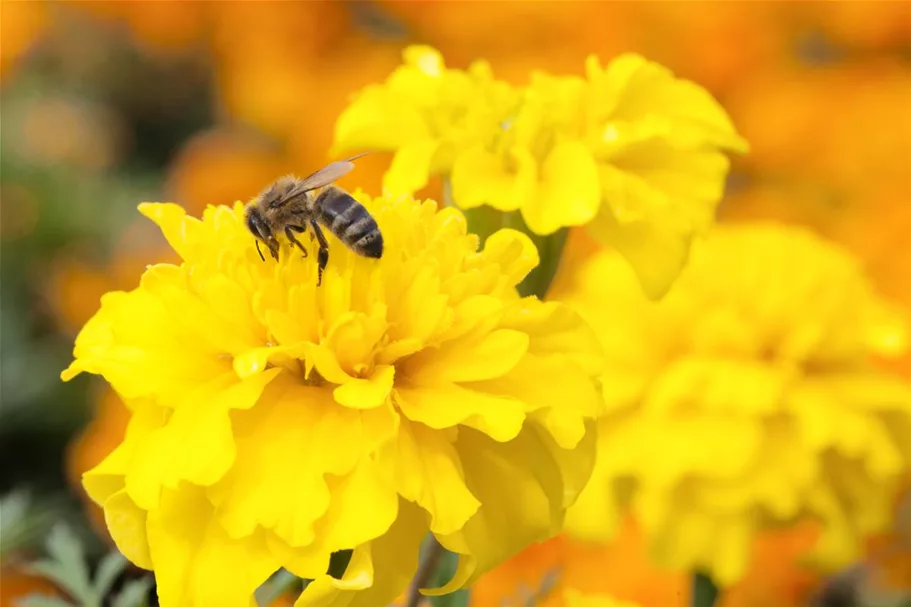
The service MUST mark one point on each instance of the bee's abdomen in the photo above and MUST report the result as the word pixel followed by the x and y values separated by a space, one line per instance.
pixel 350 222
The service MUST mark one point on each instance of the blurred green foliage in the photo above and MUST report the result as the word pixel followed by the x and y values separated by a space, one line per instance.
pixel 60 203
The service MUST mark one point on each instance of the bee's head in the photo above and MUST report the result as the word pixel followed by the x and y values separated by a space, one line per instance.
pixel 259 227
pixel 254 219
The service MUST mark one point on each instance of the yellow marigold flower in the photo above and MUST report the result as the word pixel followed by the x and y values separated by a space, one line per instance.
pixel 748 397
pixel 630 151
pixel 426 113
pixel 274 422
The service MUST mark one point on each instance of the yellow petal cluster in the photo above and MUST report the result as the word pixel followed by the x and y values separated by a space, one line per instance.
pixel 749 397
pixel 275 423
pixel 629 150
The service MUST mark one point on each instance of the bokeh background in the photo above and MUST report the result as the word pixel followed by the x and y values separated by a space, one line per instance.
pixel 107 104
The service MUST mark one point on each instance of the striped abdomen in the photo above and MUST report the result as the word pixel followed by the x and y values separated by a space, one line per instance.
pixel 351 223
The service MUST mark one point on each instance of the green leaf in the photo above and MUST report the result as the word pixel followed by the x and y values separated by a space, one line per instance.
pixel 26 519
pixel 38 600
pixel 67 569
pixel 111 566
pixel 134 593
pixel 14 507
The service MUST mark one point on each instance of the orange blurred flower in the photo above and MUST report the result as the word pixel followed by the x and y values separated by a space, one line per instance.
pixel 60 130
pixel 266 55
pixel 714 43
pixel 871 24
pixel 23 23
pixel 88 448
pixel 623 570
pixel 222 164
pixel 16 584
pixel 330 85
pixel 718 44
pixel 518 37
pixel 778 575
pixel 877 229
pixel 846 126
pixel 463 31
pixel 75 286
pixel 158 27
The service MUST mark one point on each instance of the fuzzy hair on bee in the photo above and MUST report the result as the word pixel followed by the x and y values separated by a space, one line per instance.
pixel 292 206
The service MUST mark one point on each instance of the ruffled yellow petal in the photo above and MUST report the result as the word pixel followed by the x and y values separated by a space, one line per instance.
pixel 656 265
pixel 108 477
pixel 470 360
pixel 366 393
pixel 596 514
pixel 181 232
pixel 568 193
pixel 631 87
pixel 377 576
pixel 127 524
pixel 481 177
pixel 377 120
pixel 427 470
pixel 410 168
pixel 328 591
pixel 512 251
pixel 196 563
pixel 444 405
pixel 557 330
pixel 303 424
pixel 523 486
pixel 196 444
pixel 362 508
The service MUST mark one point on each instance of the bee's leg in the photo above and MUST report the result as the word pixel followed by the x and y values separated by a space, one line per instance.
pixel 260 251
pixel 322 257
pixel 289 232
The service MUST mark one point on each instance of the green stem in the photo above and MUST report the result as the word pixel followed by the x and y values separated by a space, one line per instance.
pixel 427 565
pixel 705 593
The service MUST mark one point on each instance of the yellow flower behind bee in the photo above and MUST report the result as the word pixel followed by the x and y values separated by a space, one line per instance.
pixel 274 423
pixel 629 150
pixel 749 397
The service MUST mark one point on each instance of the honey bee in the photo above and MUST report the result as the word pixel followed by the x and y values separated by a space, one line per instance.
pixel 290 206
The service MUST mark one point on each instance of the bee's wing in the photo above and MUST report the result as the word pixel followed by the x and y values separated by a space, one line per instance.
pixel 328 174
